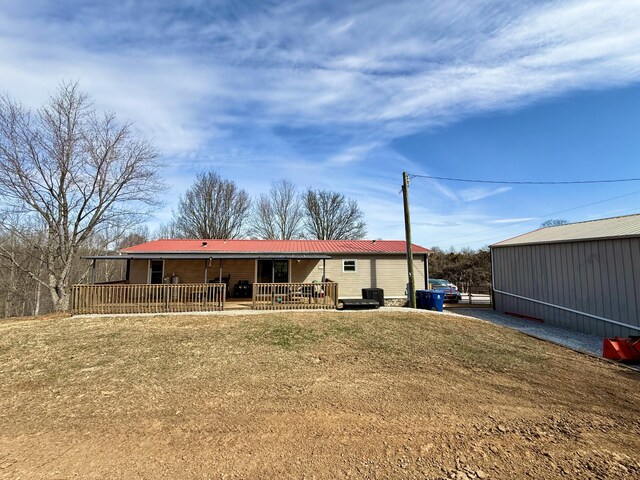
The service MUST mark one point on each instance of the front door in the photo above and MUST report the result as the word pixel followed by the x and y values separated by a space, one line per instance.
pixel 156 268
pixel 273 271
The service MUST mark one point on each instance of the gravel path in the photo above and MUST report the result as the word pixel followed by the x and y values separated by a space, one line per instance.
pixel 568 338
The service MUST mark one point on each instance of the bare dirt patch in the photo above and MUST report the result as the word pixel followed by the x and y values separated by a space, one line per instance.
pixel 307 395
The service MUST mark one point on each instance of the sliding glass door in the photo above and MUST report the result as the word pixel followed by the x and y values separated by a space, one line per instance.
pixel 273 271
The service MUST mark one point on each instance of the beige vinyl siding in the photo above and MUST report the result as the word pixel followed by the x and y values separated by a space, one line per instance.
pixel 188 271
pixel 138 271
pixel 418 272
pixel 388 272
pixel 391 274
pixel 238 269
pixel 306 271
pixel 193 271
pixel 350 284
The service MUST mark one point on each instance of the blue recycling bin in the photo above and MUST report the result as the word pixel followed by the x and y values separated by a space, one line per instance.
pixel 435 300
pixel 421 299
pixel 430 300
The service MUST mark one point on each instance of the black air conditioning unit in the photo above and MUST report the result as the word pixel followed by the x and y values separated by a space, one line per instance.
pixel 374 294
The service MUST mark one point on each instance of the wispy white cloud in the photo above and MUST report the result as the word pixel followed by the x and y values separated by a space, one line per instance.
pixel 352 154
pixel 410 64
pixel 315 91
pixel 478 193
pixel 512 220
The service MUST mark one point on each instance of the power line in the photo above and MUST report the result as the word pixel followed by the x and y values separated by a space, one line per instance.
pixel 526 182
pixel 547 216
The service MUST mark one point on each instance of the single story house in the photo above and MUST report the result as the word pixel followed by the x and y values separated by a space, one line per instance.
pixel 350 265
pixel 583 276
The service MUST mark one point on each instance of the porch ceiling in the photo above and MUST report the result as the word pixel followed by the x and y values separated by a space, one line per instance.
pixel 205 256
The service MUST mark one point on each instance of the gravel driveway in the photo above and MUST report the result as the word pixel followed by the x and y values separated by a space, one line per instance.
pixel 568 338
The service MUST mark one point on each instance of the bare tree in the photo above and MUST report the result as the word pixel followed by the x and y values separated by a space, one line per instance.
pixel 332 216
pixel 19 294
pixel 279 214
pixel 212 208
pixel 133 237
pixel 166 230
pixel 109 242
pixel 77 172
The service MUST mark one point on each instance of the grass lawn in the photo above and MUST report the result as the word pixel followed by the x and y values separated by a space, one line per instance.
pixel 307 395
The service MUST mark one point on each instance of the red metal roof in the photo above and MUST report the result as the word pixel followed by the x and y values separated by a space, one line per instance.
pixel 273 246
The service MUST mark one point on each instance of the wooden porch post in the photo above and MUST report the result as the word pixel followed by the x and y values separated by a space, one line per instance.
pixel 324 270
pixel 93 271
pixel 273 280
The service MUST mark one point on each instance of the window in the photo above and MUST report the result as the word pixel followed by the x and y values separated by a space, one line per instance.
pixel 349 265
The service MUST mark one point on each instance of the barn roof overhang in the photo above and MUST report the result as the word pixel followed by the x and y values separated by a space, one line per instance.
pixel 508 243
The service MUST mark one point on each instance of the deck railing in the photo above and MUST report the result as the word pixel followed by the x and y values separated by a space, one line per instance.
pixel 288 296
pixel 141 298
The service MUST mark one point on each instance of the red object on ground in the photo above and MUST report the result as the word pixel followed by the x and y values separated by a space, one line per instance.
pixel 621 349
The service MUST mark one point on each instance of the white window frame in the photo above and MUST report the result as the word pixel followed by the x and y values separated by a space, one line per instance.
pixel 355 265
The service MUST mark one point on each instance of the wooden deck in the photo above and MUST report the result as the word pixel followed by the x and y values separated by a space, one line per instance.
pixel 200 297
pixel 238 304
pixel 295 296
pixel 144 298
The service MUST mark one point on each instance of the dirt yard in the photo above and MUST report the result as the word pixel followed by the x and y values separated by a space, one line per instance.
pixel 307 395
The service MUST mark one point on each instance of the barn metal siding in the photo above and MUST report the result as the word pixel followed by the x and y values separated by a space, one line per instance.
pixel 599 277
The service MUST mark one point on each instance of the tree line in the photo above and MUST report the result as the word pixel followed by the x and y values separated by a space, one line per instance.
pixel 468 266
pixel 464 267
pixel 76 181
pixel 215 208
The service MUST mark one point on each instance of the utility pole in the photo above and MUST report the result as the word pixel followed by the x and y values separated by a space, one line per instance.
pixel 407 230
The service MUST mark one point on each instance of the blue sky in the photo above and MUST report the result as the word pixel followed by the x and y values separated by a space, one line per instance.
pixel 347 95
